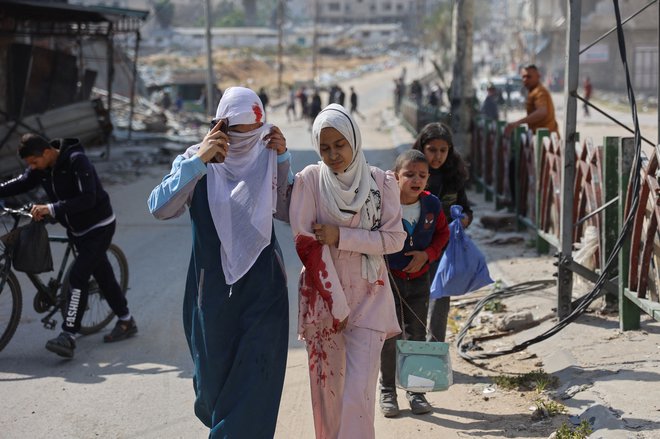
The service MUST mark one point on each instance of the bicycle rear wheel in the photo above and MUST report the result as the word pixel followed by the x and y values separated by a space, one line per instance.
pixel 98 313
pixel 11 305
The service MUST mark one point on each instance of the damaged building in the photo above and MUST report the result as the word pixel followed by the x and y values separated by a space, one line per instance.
pixel 59 67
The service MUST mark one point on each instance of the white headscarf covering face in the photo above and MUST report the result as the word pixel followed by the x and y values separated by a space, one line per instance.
pixel 353 191
pixel 242 191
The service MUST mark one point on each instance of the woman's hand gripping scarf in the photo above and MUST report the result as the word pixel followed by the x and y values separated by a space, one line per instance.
pixel 242 191
pixel 354 190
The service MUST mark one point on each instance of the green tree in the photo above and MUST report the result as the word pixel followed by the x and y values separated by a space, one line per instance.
pixel 225 14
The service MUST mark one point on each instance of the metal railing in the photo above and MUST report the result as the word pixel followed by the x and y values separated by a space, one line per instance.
pixel 524 173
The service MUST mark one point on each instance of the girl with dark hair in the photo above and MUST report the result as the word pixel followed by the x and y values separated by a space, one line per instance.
pixel 447 177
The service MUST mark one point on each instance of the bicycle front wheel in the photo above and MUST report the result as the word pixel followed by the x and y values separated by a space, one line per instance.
pixel 11 305
pixel 98 313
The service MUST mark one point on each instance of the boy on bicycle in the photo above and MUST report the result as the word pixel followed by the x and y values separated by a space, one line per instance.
pixel 79 203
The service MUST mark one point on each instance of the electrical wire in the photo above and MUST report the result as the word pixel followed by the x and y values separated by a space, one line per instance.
pixel 581 304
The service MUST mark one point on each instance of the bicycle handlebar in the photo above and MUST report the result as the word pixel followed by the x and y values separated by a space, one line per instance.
pixel 24 211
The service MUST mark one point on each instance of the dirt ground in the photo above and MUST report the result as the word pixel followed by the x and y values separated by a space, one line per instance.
pixel 474 405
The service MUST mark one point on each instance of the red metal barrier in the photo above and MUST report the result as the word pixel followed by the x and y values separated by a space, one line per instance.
pixel 476 167
pixel 550 185
pixel 588 192
pixel 488 153
pixel 644 256
pixel 527 178
pixel 538 203
pixel 501 166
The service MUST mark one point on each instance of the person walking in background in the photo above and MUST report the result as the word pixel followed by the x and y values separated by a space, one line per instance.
pixel 341 96
pixel 416 91
pixel 314 107
pixel 166 102
pixel 291 106
pixel 80 204
pixel 301 94
pixel 447 177
pixel 489 106
pixel 235 310
pixel 178 103
pixel 345 215
pixel 588 89
pixel 333 94
pixel 427 234
pixel 539 106
pixel 354 103
pixel 263 97
pixel 399 91
pixel 432 98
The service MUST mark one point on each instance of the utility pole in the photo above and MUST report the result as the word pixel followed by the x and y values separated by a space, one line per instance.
pixel 419 23
pixel 564 274
pixel 461 85
pixel 209 60
pixel 315 42
pixel 280 24
pixel 535 19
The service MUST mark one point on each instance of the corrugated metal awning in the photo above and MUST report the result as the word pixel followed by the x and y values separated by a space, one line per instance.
pixel 49 18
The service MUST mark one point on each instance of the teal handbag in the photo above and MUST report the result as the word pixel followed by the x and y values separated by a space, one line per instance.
pixel 423 366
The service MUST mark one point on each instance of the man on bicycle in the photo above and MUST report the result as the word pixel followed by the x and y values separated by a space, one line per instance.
pixel 79 203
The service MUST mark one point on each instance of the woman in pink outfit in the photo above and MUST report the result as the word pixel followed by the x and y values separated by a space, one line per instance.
pixel 345 215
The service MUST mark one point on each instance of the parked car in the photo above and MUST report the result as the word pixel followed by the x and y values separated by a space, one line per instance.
pixel 509 89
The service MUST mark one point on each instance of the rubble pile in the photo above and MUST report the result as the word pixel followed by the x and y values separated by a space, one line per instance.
pixel 151 118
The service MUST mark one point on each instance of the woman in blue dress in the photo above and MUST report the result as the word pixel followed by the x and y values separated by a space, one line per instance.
pixel 235 310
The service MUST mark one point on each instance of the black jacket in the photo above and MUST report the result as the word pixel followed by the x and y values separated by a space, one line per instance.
pixel 73 187
pixel 449 195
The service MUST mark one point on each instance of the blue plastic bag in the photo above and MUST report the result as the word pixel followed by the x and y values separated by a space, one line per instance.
pixel 462 267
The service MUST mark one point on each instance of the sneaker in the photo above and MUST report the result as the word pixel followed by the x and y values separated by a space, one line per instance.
pixel 418 403
pixel 63 345
pixel 388 403
pixel 122 330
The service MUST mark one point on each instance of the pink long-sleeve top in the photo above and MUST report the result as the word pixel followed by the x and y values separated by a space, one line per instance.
pixel 331 285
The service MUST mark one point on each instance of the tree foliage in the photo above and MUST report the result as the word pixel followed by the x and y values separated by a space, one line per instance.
pixel 226 14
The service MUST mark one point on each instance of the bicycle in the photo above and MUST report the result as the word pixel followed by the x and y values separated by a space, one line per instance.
pixel 51 296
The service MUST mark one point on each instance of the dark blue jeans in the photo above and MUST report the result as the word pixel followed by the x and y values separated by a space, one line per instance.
pixel 92 260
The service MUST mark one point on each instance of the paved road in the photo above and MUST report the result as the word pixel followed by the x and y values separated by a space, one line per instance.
pixel 142 387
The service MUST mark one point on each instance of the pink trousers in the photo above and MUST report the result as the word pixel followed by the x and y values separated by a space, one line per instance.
pixel 343 372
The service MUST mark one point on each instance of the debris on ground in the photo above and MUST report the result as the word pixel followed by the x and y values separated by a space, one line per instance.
pixel 500 221
pixel 573 390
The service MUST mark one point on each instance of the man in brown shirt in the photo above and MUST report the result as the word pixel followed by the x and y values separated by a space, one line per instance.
pixel 540 109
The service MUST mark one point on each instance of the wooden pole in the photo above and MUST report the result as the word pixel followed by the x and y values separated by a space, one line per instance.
pixel 111 77
pixel 315 42
pixel 133 85
pixel 461 85
pixel 210 86
pixel 280 34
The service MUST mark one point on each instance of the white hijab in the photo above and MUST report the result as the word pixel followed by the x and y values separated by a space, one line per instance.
pixel 242 191
pixel 353 191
